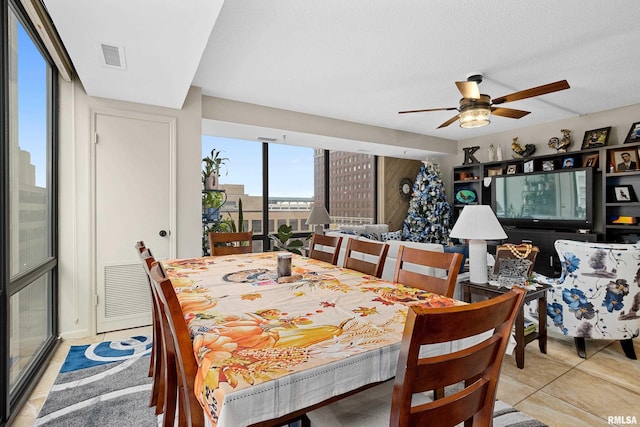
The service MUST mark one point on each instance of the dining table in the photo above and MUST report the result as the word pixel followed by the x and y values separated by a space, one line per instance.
pixel 269 346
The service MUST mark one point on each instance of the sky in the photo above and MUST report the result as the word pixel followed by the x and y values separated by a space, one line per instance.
pixel 290 167
pixel 32 104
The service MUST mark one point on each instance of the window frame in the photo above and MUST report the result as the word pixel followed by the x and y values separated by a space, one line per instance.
pixel 16 397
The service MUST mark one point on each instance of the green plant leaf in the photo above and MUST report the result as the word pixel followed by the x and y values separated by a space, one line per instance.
pixel 281 240
pixel 240 217
pixel 296 243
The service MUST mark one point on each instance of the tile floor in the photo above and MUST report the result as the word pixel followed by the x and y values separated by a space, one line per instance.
pixel 558 388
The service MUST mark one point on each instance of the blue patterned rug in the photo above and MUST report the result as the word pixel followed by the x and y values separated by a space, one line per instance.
pixel 88 356
pixel 103 384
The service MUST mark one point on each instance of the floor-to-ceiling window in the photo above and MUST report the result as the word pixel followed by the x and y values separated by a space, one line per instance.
pixel 28 291
pixel 290 187
pixel 239 184
pixel 279 183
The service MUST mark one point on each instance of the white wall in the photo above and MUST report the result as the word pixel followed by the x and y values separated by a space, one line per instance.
pixel 76 278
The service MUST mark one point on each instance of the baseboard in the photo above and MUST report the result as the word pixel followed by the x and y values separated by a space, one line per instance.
pixel 76 334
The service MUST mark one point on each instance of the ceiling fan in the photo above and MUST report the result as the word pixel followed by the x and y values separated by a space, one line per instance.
pixel 476 108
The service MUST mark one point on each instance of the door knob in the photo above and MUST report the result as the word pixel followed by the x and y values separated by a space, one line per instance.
pixel 163 233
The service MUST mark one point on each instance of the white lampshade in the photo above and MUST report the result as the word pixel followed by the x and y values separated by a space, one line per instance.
pixel 477 223
pixel 318 217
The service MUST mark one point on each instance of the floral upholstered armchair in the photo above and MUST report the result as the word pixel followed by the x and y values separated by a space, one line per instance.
pixel 598 295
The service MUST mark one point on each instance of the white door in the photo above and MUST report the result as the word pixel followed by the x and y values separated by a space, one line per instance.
pixel 133 200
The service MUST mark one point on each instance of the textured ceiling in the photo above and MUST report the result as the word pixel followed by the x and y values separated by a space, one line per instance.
pixel 362 60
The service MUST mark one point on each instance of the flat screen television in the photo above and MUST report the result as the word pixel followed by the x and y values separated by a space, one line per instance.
pixel 560 199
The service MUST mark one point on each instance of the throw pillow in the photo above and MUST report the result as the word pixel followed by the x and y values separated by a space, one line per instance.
pixel 392 235
pixel 461 249
pixel 370 236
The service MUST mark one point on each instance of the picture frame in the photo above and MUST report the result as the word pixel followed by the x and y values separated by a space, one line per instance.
pixel 494 171
pixel 548 165
pixel 596 138
pixel 624 160
pixel 622 194
pixel 528 166
pixel 590 161
pixel 634 134
pixel 511 169
pixel 568 163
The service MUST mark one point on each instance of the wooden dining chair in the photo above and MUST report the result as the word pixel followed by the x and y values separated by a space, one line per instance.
pixel 164 386
pixel 409 276
pixel 320 242
pixel 474 370
pixel 179 347
pixel 366 251
pixel 155 359
pixel 469 375
pixel 230 243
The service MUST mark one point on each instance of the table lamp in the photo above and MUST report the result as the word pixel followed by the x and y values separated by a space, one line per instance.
pixel 318 217
pixel 477 223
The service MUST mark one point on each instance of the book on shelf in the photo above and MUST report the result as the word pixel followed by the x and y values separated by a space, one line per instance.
pixel 529 326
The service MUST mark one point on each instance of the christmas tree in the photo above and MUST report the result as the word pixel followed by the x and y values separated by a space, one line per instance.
pixel 429 212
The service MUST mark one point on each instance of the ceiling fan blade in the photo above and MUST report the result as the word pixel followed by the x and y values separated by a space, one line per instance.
pixel 448 122
pixel 424 111
pixel 509 112
pixel 469 89
pixel 534 91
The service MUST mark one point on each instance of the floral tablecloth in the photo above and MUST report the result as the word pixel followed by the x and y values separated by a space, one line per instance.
pixel 267 346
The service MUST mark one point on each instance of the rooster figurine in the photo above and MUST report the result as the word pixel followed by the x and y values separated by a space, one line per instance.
pixel 561 145
pixel 519 151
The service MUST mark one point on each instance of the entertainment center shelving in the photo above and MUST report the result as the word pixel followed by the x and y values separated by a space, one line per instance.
pixel 606 206
pixel 613 208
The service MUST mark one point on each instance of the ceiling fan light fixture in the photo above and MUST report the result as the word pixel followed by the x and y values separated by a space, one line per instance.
pixel 475 117
pixel 475 114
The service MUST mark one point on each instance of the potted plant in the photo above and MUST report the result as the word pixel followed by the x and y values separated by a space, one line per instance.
pixel 212 166
pixel 217 223
pixel 222 225
pixel 282 242
pixel 240 227
pixel 211 203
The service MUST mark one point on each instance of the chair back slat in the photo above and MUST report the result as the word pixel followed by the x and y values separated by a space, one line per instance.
pixel 474 370
pixel 440 260
pixel 467 364
pixel 234 243
pixel 371 259
pixel 321 242
pixel 452 409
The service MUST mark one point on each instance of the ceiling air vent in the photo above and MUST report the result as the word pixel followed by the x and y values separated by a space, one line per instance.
pixel 267 139
pixel 113 56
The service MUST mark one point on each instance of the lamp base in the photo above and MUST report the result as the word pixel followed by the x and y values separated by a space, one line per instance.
pixel 319 229
pixel 478 261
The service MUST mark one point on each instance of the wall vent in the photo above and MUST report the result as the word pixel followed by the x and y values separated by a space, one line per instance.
pixel 126 291
pixel 124 297
pixel 113 56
